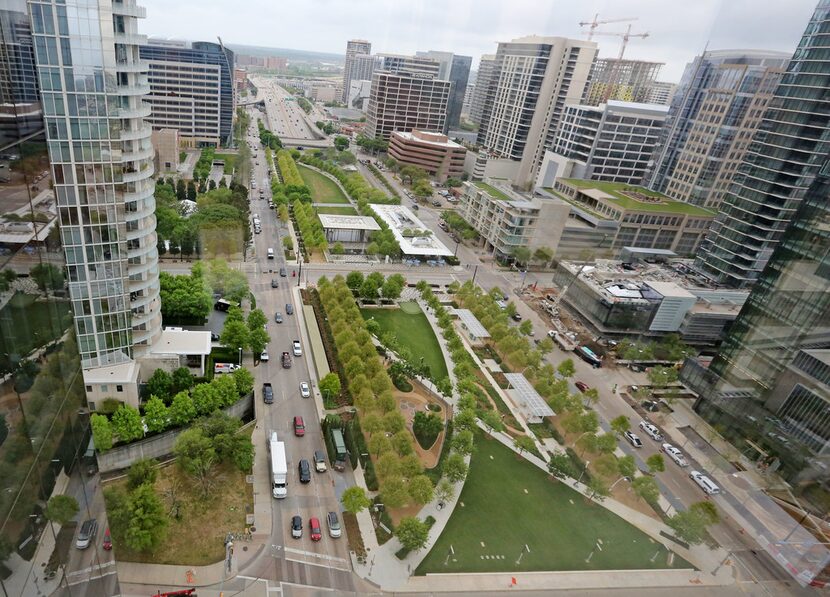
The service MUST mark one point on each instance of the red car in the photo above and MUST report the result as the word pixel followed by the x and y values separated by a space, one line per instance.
pixel 107 541
pixel 582 386
pixel 314 523
pixel 299 427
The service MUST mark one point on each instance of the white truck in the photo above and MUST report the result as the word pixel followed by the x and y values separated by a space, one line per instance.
pixel 279 468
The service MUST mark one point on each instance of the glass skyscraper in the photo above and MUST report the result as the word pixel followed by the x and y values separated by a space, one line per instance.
pixel 784 158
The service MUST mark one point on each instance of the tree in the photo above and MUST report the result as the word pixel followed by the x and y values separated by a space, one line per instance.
pixel 599 489
pixel 620 424
pixel 463 441
pixel 235 334
pixel 160 384
pixel 394 493
pixel 421 489
pixel 566 368
pixel 543 255
pixel 581 422
pixel 526 327
pixel 412 533
pixel 394 422
pixel 662 376
pixel 427 427
pixel 402 442
pixel 182 409
pixel 258 338
pixel 147 520
pixel 354 280
pixel 379 444
pixel 465 419
pixel 706 510
pixel 655 463
pixel 126 423
pixel 606 443
pixel 244 381
pixel 521 255
pixel 523 443
pixel 492 420
pixel 101 432
pixel 691 524
pixel 455 469
pixel 340 143
pixel 155 415
pixel 354 499
pixel 182 380
pixel 646 488
pixel 196 456
pixel 141 472
pixel 330 386
pixel 626 466
pixel 61 509
pixel 47 276
pixel 444 491
pixel 560 466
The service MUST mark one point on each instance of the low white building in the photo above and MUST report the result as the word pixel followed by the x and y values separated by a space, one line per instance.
pixel 119 382
pixel 347 229
pixel 178 348
pixel 417 241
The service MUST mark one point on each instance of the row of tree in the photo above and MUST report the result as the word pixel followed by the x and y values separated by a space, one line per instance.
pixel 239 334
pixel 374 146
pixel 188 298
pixel 202 169
pixel 267 138
pixel 288 169
pixel 669 348
pixel 374 285
pixel 309 227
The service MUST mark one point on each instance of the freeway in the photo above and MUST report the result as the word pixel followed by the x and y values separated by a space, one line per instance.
pixel 286 119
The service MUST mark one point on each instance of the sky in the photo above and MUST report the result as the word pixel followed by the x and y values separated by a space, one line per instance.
pixel 678 30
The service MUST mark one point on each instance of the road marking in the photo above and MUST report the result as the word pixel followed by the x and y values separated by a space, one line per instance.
pixel 327 566
pixel 91 578
pixel 91 568
pixel 321 556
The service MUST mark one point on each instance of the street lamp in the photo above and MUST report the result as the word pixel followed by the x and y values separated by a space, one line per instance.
pixel 240 356
pixel 585 468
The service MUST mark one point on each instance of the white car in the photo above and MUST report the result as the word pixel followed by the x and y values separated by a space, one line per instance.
pixel 675 454
pixel 298 349
pixel 264 356
pixel 305 392
pixel 651 431
pixel 633 439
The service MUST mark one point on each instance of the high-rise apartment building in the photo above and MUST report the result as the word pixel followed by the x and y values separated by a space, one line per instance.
pixel 620 79
pixel 715 112
pixel 484 77
pixel 456 69
pixel 612 142
pixel 412 64
pixel 535 77
pixel 782 161
pixel 406 101
pixel 102 168
pixel 191 90
pixel 20 111
pixel 358 60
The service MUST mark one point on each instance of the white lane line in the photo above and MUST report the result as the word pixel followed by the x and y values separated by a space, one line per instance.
pixel 327 566
pixel 91 568
pixel 321 556
pixel 91 578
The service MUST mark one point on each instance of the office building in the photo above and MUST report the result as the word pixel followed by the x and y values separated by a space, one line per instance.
pixel 191 90
pixel 359 93
pixel 359 64
pixel 620 79
pixel 715 112
pixel 612 142
pixel 661 93
pixel 535 77
pixel 456 69
pixel 105 194
pixel 405 101
pixel 506 220
pixel 20 110
pixel 631 216
pixel 484 82
pixel 411 64
pixel 431 151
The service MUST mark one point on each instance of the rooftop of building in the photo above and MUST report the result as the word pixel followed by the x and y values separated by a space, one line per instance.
pixel 339 222
pixel 400 218
pixel 182 342
pixel 121 373
pixel 429 137
pixel 621 194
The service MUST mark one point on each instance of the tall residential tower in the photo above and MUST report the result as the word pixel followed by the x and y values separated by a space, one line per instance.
pixel 358 62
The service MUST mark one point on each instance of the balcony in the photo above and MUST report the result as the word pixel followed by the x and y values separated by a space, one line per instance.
pixel 136 135
pixel 142 111
pixel 145 153
pixel 133 39
pixel 128 8
pixel 136 66
pixel 134 176
pixel 130 90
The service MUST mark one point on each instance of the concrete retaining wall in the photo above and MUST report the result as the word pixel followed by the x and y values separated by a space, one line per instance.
pixel 159 445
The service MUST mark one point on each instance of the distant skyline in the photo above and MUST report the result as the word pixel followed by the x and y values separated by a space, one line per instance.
pixel 678 31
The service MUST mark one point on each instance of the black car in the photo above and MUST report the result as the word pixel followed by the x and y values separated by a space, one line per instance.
pixel 289 309
pixel 278 317
pixel 214 337
pixel 296 526
pixel 275 283
pixel 283 273
pixel 517 317
pixel 305 471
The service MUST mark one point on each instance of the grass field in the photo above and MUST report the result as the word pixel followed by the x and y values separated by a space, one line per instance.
pixel 346 210
pixel 509 503
pixel 413 332
pixel 230 161
pixel 323 189
pixel 26 323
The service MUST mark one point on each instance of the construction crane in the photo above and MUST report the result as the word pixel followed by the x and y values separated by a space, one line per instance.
pixel 595 23
pixel 625 37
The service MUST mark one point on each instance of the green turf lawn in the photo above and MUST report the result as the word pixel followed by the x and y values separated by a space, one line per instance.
pixel 346 210
pixel 323 189
pixel 414 332
pixel 26 323
pixel 230 161
pixel 509 502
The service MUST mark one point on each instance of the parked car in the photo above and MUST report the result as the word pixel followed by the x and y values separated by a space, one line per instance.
pixel 314 525
pixel 107 545
pixel 264 356
pixel 319 461
pixel 297 526
pixel 305 471
pixel 651 431
pixel 87 533
pixel 650 406
pixel 299 427
pixel 289 309
pixel 334 524
pixel 517 317
pixel 582 386
pixel 214 337
pixel 704 482
pixel 633 439
pixel 305 391
pixel 675 454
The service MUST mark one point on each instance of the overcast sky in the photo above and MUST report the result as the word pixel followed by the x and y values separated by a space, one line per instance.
pixel 678 29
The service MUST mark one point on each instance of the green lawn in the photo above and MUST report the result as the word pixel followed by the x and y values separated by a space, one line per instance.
pixel 614 188
pixel 230 161
pixel 346 210
pixel 509 503
pixel 493 191
pixel 413 332
pixel 323 189
pixel 26 323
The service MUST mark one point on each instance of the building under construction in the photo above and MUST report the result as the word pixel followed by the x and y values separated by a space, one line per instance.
pixel 621 79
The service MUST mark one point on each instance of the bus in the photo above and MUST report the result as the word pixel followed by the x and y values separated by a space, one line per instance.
pixel 589 356
pixel 224 305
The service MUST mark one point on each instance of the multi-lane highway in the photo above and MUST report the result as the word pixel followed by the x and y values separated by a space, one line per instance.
pixel 285 117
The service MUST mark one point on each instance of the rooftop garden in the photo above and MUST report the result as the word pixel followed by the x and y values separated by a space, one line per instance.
pixel 492 191
pixel 620 195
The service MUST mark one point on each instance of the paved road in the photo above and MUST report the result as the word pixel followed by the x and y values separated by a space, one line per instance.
pixel 285 116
